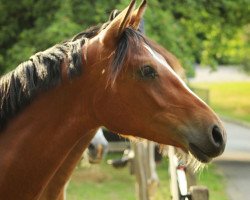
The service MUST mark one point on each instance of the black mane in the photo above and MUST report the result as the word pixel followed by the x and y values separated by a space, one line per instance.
pixel 43 70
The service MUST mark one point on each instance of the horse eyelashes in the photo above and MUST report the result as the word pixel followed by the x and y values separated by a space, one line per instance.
pixel 147 72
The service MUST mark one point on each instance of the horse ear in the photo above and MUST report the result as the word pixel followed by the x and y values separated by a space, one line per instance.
pixel 137 15
pixel 116 27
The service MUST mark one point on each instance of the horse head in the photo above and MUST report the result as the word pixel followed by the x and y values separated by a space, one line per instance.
pixel 137 92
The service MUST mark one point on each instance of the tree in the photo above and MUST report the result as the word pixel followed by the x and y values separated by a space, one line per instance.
pixel 203 31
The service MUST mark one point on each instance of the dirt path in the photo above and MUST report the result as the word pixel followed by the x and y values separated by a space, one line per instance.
pixel 235 162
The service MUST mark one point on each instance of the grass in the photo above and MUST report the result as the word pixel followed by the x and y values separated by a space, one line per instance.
pixel 105 183
pixel 214 181
pixel 230 99
pixel 101 182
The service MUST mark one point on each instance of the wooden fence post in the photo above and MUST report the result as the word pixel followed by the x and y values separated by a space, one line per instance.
pixel 173 179
pixel 199 193
pixel 152 177
pixel 145 170
pixel 140 171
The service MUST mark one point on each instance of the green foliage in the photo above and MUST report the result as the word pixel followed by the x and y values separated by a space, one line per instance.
pixel 205 31
pixel 246 65
pixel 20 22
pixel 246 50
pixel 210 27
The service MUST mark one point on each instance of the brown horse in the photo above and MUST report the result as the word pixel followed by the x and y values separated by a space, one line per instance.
pixel 56 189
pixel 57 99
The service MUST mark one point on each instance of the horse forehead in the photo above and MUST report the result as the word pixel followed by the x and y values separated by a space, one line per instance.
pixel 158 57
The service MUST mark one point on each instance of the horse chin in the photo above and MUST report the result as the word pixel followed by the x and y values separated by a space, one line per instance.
pixel 199 154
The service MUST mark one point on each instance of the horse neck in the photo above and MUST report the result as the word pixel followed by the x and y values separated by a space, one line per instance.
pixel 57 185
pixel 36 141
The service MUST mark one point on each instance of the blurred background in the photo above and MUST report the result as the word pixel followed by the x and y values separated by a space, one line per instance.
pixel 205 31
pixel 210 38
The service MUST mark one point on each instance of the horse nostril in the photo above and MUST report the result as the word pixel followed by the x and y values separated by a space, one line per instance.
pixel 217 136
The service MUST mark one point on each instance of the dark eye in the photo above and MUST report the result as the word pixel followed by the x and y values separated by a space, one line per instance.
pixel 147 72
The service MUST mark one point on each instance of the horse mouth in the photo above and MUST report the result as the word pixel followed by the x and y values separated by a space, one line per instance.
pixel 199 154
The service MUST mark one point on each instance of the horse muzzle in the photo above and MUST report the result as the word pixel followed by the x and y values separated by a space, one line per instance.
pixel 207 148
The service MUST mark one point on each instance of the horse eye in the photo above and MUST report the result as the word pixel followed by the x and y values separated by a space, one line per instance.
pixel 147 71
